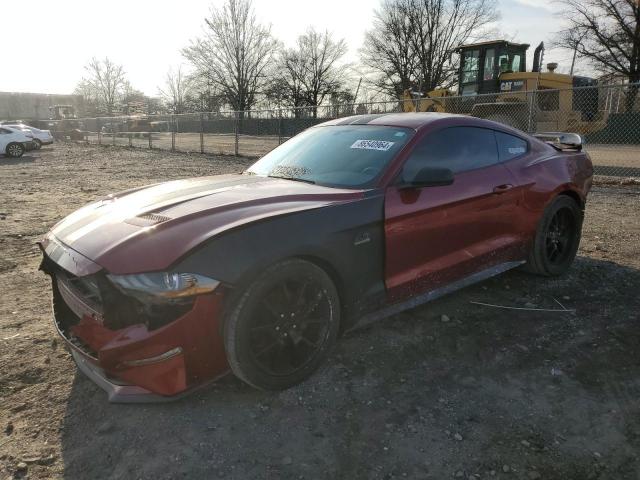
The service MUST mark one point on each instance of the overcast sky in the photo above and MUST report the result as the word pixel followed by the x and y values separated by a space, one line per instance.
pixel 53 40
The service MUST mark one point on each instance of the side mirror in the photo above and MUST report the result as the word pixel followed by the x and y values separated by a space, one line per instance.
pixel 430 177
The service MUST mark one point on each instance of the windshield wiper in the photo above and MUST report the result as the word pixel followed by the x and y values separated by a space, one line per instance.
pixel 293 179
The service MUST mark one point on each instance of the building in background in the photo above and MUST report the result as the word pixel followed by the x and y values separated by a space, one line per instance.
pixel 35 106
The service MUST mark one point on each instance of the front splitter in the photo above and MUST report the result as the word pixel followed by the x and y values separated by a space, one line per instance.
pixel 127 393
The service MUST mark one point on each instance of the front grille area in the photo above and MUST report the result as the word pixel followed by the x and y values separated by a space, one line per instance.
pixel 82 295
pixel 65 318
pixel 95 296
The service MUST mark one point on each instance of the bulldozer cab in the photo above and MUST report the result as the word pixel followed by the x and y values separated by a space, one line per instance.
pixel 481 65
pixel 498 68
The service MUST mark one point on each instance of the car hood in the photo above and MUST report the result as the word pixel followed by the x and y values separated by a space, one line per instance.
pixel 150 228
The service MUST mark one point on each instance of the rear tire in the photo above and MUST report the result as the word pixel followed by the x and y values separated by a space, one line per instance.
pixel 283 325
pixel 15 150
pixel 37 143
pixel 557 238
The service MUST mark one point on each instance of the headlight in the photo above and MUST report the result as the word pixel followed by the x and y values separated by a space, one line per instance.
pixel 165 284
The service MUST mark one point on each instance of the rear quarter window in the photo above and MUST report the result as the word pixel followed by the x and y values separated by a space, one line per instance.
pixel 510 146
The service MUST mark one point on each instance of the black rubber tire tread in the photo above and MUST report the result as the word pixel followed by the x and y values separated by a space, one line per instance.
pixel 237 354
pixel 16 156
pixel 38 143
pixel 537 262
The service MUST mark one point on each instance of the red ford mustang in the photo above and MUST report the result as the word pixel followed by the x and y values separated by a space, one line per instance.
pixel 161 289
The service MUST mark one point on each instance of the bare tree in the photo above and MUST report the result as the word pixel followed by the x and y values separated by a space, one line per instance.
pixel 387 48
pixel 233 53
pixel 440 26
pixel 90 98
pixel 413 41
pixel 319 54
pixel 307 74
pixel 104 82
pixel 132 100
pixel 177 90
pixel 206 96
pixel 607 34
pixel 286 87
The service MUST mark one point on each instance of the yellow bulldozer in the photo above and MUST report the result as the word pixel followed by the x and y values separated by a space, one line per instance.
pixel 493 84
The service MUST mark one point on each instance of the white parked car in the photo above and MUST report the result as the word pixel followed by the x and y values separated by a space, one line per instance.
pixel 40 137
pixel 13 142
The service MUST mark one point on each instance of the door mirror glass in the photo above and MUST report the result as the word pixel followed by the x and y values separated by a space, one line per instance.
pixel 430 177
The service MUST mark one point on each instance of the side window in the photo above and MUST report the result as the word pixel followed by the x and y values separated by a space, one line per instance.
pixel 457 148
pixel 510 146
pixel 489 63
pixel 4 130
pixel 470 66
pixel 515 63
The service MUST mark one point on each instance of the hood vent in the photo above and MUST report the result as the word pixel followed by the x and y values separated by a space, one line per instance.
pixel 147 220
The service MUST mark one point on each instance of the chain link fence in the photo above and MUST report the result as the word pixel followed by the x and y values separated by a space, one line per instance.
pixel 608 118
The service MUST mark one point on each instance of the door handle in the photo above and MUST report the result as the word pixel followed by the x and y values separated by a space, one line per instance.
pixel 502 188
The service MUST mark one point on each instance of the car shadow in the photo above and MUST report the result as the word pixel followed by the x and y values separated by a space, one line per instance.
pixel 26 158
pixel 392 395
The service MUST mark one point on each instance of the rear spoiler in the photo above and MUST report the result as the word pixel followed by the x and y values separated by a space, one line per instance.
pixel 561 140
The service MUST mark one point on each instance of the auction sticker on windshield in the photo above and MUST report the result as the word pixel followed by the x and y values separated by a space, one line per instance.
pixel 372 145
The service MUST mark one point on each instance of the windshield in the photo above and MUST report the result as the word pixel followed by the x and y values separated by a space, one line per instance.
pixel 340 156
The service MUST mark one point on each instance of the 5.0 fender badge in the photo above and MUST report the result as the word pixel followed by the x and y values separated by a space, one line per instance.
pixel 362 238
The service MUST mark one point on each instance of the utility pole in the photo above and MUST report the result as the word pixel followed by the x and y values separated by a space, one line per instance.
pixel 575 51
pixel 355 97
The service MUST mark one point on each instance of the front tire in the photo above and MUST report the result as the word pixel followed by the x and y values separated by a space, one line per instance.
pixel 15 150
pixel 283 326
pixel 38 144
pixel 557 238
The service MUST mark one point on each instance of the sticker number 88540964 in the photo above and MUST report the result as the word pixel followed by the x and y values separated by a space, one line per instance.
pixel 381 145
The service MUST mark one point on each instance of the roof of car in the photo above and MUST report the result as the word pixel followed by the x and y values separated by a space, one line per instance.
pixel 407 120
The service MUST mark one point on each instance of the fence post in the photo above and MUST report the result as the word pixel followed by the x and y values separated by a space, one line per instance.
pixel 531 112
pixel 279 126
pixel 130 140
pixel 202 133
pixel 173 133
pixel 99 132
pixel 113 130
pixel 236 132
pixel 150 140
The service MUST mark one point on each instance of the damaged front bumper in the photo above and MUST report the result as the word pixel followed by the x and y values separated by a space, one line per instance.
pixel 135 362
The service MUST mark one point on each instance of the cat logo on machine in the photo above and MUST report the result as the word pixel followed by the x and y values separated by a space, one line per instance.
pixel 511 85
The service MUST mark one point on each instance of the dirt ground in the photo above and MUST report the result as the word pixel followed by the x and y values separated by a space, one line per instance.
pixel 480 392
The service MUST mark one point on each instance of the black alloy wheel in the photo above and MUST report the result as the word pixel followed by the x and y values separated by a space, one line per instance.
pixel 283 325
pixel 561 235
pixel 289 325
pixel 557 238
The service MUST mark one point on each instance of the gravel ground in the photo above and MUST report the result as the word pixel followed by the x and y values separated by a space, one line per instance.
pixel 451 389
